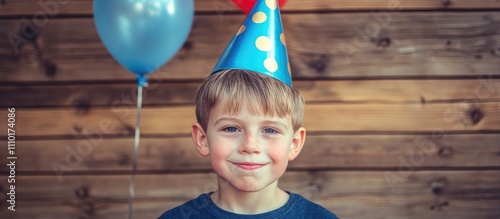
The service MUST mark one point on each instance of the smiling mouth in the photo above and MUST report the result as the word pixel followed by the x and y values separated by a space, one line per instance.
pixel 249 166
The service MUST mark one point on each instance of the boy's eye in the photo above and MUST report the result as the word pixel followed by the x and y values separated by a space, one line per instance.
pixel 270 131
pixel 230 129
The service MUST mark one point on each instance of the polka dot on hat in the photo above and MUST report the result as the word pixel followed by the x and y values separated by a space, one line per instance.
pixel 264 43
pixel 271 65
pixel 271 4
pixel 282 38
pixel 259 17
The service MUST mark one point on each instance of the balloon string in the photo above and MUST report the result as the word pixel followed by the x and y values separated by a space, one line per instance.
pixel 136 151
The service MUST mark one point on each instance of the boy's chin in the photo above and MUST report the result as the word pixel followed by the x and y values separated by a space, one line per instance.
pixel 246 186
pixel 250 188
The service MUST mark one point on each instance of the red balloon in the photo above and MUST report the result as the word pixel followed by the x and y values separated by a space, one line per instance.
pixel 247 5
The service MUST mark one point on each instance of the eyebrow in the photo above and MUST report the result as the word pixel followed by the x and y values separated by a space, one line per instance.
pixel 239 121
pixel 226 119
pixel 277 123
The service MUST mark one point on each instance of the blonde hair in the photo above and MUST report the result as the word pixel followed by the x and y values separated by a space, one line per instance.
pixel 263 94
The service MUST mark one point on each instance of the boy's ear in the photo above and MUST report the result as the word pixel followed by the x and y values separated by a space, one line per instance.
pixel 200 139
pixel 297 143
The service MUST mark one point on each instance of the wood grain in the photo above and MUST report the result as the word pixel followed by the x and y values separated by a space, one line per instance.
pixel 331 45
pixel 419 194
pixel 403 112
pixel 176 120
pixel 84 7
pixel 175 93
pixel 104 155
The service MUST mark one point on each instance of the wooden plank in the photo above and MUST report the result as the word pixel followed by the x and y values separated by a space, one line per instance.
pixel 98 154
pixel 161 93
pixel 177 120
pixel 84 7
pixel 421 194
pixel 95 210
pixel 323 45
pixel 172 93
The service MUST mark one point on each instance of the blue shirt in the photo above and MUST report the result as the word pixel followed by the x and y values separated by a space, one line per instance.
pixel 203 207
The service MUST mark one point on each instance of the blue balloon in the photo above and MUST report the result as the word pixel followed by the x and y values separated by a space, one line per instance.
pixel 142 35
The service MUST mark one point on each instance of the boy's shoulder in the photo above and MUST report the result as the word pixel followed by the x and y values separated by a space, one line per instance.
pixel 202 207
pixel 194 208
pixel 310 209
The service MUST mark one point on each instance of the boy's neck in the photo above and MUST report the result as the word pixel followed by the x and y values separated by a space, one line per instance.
pixel 239 202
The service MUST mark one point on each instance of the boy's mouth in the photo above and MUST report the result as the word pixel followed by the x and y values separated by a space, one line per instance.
pixel 249 166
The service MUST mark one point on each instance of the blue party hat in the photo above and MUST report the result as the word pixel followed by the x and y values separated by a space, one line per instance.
pixel 259 45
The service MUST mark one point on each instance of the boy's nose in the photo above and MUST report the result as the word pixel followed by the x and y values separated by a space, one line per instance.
pixel 250 144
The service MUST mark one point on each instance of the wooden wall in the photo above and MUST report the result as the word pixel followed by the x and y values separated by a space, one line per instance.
pixel 403 110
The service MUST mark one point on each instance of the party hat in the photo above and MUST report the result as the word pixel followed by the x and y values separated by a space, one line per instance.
pixel 259 45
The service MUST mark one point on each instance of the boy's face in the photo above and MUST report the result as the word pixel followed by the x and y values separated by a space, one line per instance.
pixel 248 151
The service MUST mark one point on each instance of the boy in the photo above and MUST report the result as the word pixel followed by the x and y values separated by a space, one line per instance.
pixel 249 124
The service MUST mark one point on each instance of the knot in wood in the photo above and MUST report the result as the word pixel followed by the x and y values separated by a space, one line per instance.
pixel 476 115
pixel 77 128
pixel 438 185
pixel 384 42
pixel 319 63
pixel 50 69
pixel 82 192
pixel 29 31
pixel 129 129
pixel 447 3
pixel 422 100
pixel 124 159
pixel 445 152
pixel 82 107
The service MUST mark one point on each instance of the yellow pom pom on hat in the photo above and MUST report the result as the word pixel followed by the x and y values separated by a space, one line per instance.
pixel 259 45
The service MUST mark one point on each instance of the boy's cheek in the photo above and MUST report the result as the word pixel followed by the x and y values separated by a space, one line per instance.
pixel 218 152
